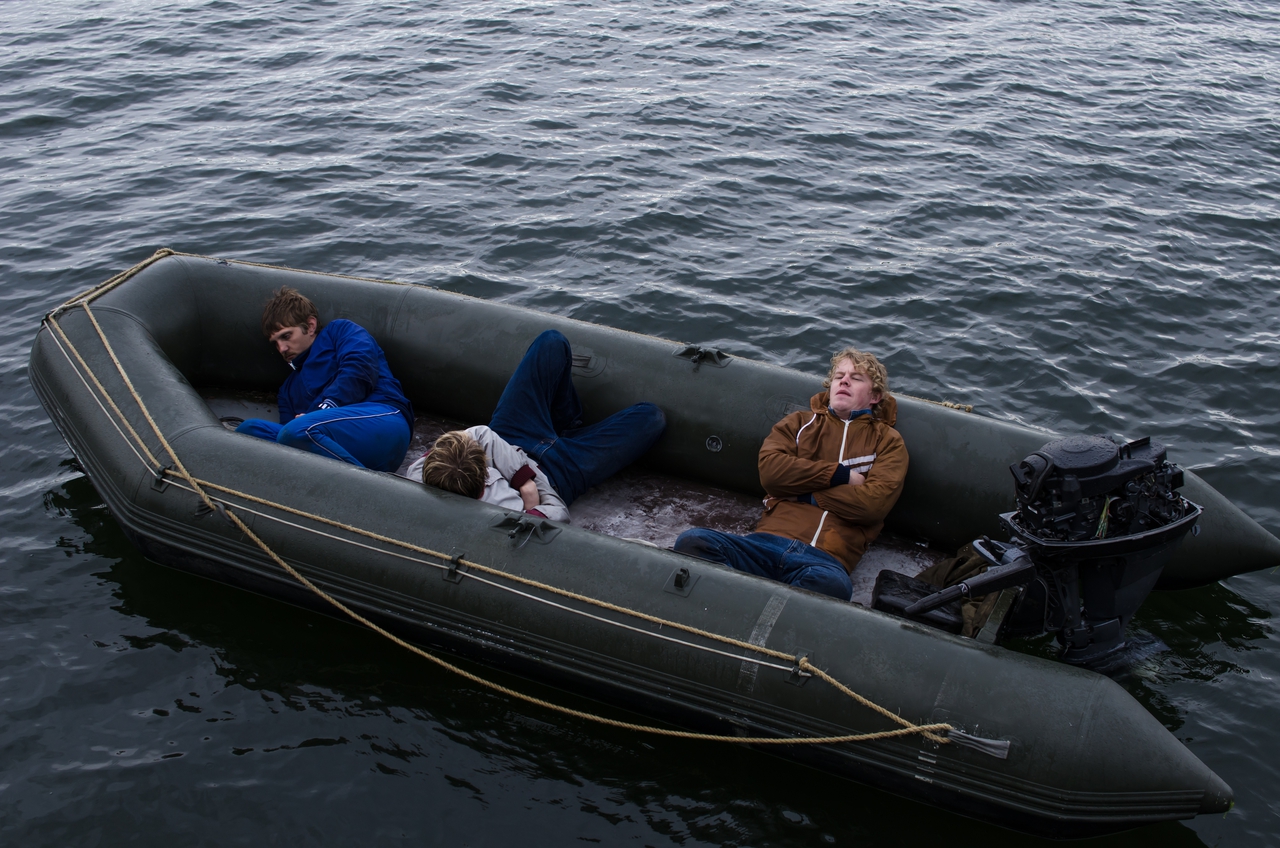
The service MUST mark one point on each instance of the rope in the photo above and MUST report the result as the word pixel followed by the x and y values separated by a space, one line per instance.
pixel 106 286
pixel 109 284
pixel 132 432
pixel 963 407
pixel 803 664
pixel 199 486
pixel 103 288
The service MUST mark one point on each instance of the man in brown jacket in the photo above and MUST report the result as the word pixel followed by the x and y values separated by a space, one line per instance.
pixel 832 474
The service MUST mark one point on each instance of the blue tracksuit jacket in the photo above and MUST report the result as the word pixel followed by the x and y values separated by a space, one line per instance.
pixel 343 366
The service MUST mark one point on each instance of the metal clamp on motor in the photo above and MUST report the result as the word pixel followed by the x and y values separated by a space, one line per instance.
pixel 1010 566
pixel 1096 523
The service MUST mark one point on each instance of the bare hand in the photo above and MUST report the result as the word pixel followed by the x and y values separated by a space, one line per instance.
pixel 529 494
pixel 856 479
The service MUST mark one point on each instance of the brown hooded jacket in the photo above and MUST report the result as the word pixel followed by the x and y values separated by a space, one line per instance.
pixel 799 457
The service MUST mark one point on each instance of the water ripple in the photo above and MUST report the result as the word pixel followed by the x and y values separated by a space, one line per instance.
pixel 1066 215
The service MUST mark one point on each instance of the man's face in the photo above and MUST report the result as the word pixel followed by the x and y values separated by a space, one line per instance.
pixel 851 389
pixel 292 342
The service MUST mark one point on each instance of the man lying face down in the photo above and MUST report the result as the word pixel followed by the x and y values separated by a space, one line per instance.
pixel 340 399
pixel 536 455
pixel 831 474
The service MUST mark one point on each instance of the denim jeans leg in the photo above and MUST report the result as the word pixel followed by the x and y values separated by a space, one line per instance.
pixel 816 570
pixel 759 553
pixel 766 555
pixel 539 400
pixel 590 455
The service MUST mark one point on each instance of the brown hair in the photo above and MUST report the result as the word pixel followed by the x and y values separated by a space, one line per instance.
pixel 864 362
pixel 457 464
pixel 287 308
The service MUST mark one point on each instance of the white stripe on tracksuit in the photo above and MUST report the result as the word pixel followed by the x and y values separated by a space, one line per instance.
pixel 321 424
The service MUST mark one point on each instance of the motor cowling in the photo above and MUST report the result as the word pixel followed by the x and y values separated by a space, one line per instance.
pixel 1089 487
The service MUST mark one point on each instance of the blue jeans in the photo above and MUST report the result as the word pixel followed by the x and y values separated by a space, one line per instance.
pixel 540 412
pixel 370 435
pixel 766 555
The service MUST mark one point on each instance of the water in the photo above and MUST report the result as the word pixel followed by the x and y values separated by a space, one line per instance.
pixel 1063 213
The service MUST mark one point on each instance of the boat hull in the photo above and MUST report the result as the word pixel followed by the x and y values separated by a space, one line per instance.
pixel 1042 748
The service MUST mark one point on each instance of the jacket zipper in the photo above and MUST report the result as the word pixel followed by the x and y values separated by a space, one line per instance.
pixel 813 543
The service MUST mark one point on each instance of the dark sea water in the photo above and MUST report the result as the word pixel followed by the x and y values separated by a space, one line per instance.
pixel 1064 213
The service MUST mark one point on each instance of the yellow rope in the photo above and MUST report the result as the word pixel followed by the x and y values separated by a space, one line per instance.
pixel 102 288
pixel 963 407
pixel 804 663
pixel 105 394
pixel 199 486
pixel 107 285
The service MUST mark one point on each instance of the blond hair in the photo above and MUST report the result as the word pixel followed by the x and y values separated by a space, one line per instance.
pixel 457 463
pixel 864 362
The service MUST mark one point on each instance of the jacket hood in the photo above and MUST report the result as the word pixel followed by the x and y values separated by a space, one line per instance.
pixel 886 410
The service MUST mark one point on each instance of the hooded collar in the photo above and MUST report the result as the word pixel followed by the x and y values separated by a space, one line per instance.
pixel 886 410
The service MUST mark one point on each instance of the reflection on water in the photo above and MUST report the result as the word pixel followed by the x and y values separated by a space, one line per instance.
pixel 1064 214
pixel 1174 638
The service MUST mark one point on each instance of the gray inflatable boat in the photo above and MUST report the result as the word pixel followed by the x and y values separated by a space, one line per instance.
pixel 136 374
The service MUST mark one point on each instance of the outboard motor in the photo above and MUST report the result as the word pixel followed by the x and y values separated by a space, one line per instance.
pixel 1095 525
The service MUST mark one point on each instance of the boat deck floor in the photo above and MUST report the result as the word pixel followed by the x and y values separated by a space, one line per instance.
pixel 636 504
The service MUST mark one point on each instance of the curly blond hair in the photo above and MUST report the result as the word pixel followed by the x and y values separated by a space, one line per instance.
pixel 457 464
pixel 864 362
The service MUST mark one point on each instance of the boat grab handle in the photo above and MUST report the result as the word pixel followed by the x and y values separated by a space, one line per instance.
pixel 538 529
pixel 698 355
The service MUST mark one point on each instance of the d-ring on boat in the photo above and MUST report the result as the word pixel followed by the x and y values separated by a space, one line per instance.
pixel 131 374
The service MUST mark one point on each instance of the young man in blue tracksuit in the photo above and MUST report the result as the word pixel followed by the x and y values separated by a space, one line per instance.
pixel 341 399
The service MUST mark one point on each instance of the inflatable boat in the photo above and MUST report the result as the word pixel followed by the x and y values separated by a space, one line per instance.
pixel 139 373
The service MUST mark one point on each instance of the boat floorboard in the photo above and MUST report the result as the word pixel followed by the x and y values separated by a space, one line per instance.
pixel 636 504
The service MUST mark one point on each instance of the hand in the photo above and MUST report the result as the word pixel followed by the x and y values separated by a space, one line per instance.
pixel 856 479
pixel 529 494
